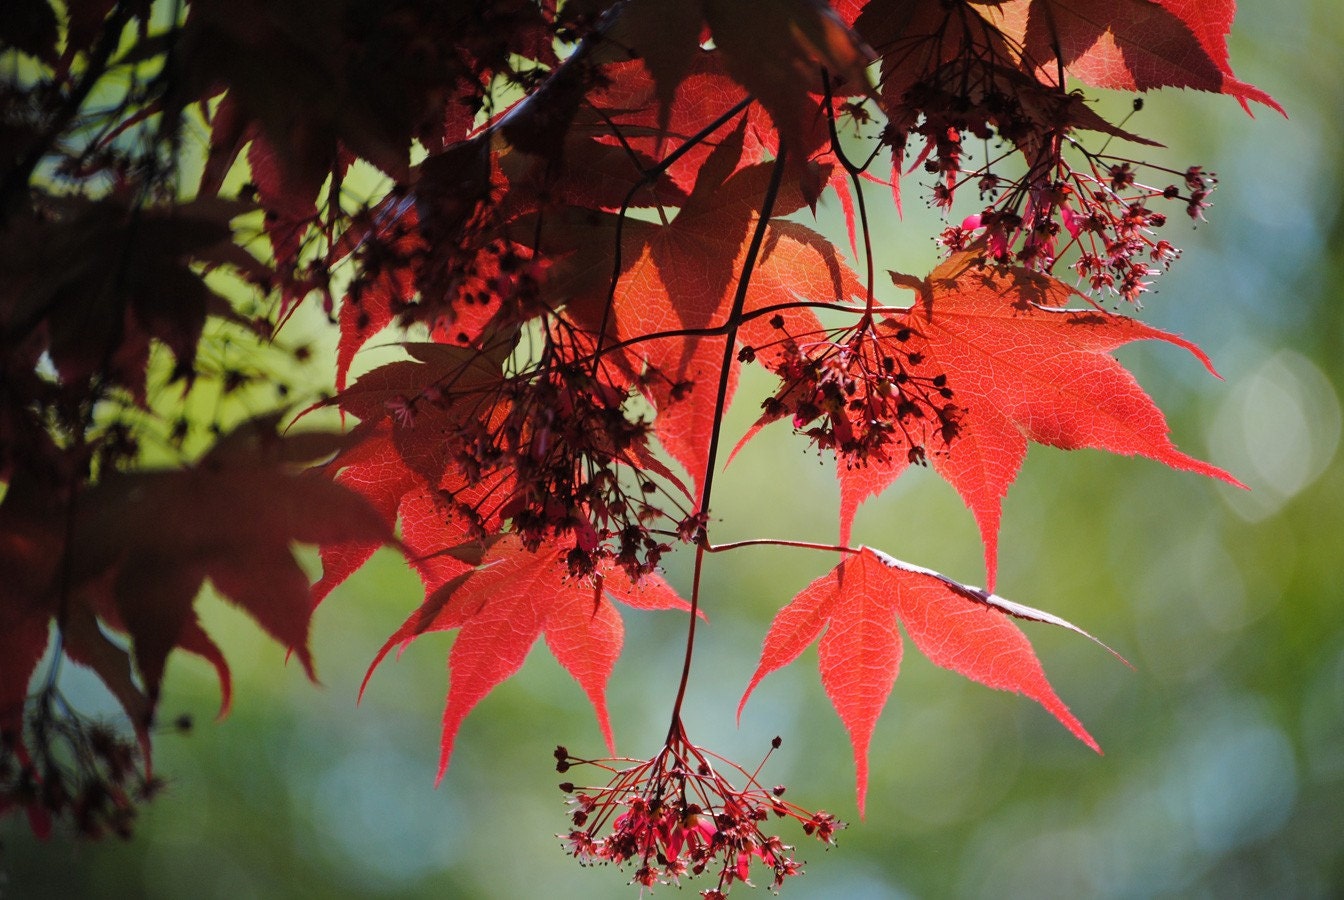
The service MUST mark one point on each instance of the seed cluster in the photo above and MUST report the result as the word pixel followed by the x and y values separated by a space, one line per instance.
pixel 576 457
pixel 1101 213
pixel 555 452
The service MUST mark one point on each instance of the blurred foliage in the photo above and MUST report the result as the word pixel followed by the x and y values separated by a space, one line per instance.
pixel 1224 773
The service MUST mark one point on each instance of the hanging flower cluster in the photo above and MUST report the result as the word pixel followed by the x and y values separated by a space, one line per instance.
pixel 1101 212
pixel 675 816
pixel 864 394
pixel 958 82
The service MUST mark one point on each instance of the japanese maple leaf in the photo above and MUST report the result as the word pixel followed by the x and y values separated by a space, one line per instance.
pixel 916 39
pixel 945 66
pixel 437 542
pixel 449 256
pixel 854 609
pixel 1130 44
pixel 371 467
pixel 398 461
pixel 321 81
pixel 289 83
pixel 685 279
pixel 627 103
pixel 504 605
pixel 773 48
pixel 367 307
pixel 425 395
pixel 1019 367
pixel 144 543
pixel 106 279
pixel 628 100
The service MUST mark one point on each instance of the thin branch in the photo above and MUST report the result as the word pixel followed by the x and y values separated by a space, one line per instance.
pixel 648 177
pixel 853 172
pixel 720 402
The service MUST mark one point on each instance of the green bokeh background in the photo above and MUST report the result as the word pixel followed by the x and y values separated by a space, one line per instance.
pixel 1224 766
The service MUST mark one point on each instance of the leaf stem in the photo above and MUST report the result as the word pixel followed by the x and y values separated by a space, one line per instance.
pixel 720 402
pixel 735 319
pixel 780 542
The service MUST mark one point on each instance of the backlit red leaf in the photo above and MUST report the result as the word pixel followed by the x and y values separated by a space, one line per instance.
pixel 503 606
pixel 776 49
pixel 1132 44
pixel 854 610
pixel 685 279
pixel 1020 367
pixel 141 547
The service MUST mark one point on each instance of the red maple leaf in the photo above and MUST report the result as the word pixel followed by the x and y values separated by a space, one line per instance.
pixel 397 458
pixel 505 604
pixel 1121 44
pixel 373 468
pixel 857 605
pixel 630 100
pixel 437 542
pixel 94 288
pixel 775 49
pixel 685 278
pixel 1131 44
pixel 1020 367
pixel 143 544
pixel 1001 68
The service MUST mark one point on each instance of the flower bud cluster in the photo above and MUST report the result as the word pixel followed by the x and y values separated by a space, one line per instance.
pixel 1101 213
pixel 675 816
pixel 961 84
pixel 566 461
pixel 866 394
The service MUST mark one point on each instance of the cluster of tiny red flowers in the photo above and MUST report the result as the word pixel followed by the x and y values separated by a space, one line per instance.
pixel 501 282
pixel 1103 212
pixel 864 395
pixel 571 463
pixel 966 85
pixel 965 82
pixel 675 816
pixel 66 767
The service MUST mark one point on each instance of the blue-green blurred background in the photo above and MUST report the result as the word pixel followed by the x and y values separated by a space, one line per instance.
pixel 1224 766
